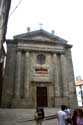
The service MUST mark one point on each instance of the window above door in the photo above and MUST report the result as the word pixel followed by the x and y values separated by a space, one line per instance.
pixel 41 59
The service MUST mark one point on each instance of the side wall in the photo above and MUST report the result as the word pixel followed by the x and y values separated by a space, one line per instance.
pixel 9 76
pixel 71 80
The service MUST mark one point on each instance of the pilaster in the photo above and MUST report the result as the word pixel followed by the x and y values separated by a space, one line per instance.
pixel 27 76
pixel 18 74
pixel 56 74
pixel 64 74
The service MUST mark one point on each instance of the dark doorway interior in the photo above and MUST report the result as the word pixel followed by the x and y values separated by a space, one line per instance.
pixel 42 97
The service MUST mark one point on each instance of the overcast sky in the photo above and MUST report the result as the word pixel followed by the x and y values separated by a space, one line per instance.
pixel 65 17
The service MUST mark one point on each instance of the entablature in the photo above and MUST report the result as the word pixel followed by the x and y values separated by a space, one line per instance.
pixel 43 48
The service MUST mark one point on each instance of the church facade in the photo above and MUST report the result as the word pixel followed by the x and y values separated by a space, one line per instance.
pixel 39 72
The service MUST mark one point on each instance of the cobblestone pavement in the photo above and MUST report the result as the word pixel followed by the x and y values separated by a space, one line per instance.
pixel 17 116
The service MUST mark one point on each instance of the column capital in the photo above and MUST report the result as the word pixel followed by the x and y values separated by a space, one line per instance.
pixel 27 53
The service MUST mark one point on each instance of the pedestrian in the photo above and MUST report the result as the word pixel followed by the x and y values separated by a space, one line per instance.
pixel 68 118
pixel 62 115
pixel 39 115
pixel 74 117
pixel 80 117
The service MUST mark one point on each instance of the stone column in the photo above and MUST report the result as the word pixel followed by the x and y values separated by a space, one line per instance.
pixel 56 74
pixel 64 74
pixel 27 74
pixel 18 74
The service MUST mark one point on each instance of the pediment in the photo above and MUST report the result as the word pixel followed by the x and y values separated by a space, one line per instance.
pixel 39 35
pixel 40 38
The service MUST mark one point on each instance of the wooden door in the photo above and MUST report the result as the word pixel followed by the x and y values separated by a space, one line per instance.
pixel 42 97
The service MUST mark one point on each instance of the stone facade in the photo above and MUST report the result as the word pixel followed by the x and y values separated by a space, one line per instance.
pixel 39 72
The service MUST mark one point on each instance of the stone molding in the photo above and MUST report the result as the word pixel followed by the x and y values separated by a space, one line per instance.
pixel 43 48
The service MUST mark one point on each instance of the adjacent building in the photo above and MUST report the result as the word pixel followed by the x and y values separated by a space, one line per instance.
pixel 79 90
pixel 39 72
pixel 4 12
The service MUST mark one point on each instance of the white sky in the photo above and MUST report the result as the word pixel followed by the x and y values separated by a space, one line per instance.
pixel 65 17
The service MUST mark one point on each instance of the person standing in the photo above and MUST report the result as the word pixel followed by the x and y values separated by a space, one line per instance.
pixel 62 115
pixel 80 117
pixel 39 115
pixel 74 117
pixel 68 119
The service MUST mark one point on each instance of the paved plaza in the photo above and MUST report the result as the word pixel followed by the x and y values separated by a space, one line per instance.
pixel 22 116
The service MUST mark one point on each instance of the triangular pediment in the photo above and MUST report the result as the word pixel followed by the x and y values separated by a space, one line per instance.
pixel 40 38
pixel 39 35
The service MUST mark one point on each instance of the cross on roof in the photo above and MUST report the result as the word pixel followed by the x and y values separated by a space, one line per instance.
pixel 41 25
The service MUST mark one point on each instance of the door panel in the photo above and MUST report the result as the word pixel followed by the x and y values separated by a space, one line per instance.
pixel 42 96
